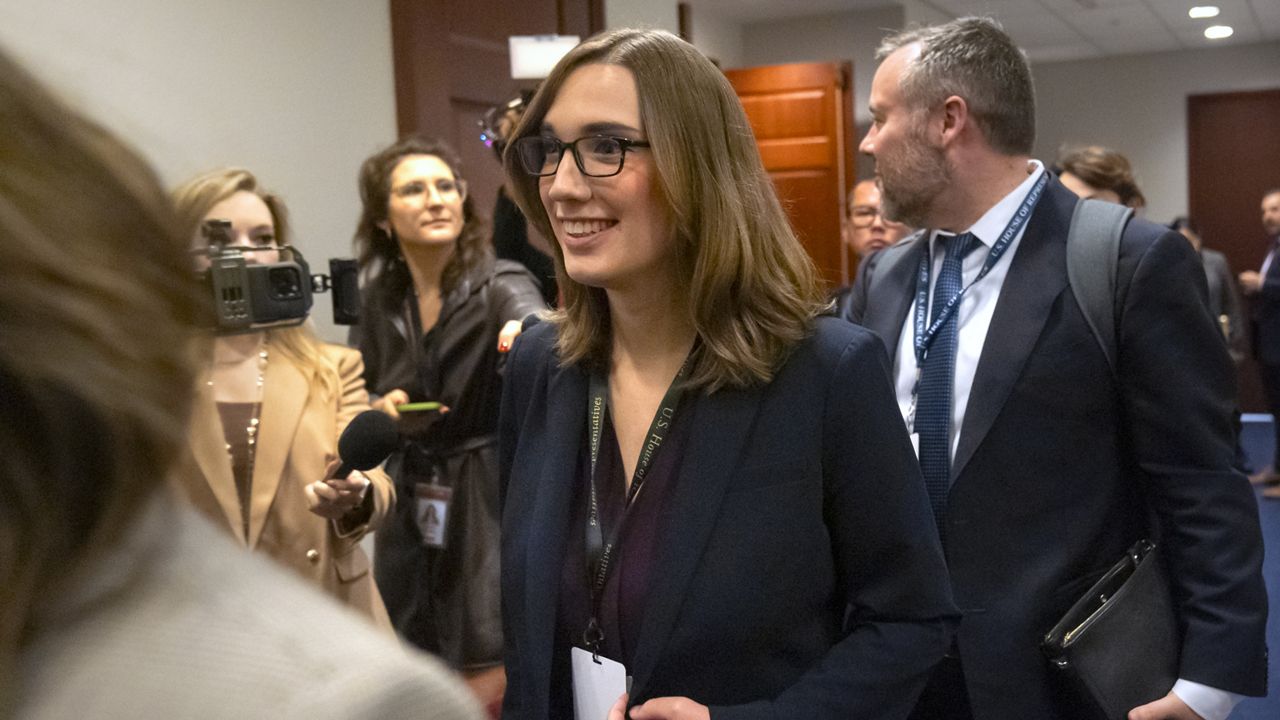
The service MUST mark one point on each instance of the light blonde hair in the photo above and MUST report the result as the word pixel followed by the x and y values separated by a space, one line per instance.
pixel 193 201
pixel 96 312
pixel 755 291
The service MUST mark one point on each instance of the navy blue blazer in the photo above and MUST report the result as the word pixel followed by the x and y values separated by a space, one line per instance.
pixel 1060 465
pixel 801 576
pixel 1266 316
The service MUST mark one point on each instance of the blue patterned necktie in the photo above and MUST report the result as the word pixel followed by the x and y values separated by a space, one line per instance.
pixel 937 377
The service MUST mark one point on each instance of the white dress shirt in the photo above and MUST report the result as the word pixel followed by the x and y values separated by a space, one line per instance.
pixel 976 307
pixel 974 315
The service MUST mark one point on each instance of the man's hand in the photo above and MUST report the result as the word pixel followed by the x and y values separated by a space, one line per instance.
pixel 1250 281
pixel 1169 707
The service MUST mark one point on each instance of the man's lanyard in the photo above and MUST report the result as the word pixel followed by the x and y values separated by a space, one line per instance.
pixel 599 553
pixel 925 333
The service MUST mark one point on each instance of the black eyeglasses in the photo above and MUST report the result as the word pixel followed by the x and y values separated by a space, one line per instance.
pixel 602 156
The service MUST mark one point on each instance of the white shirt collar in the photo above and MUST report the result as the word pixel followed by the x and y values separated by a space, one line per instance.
pixel 990 225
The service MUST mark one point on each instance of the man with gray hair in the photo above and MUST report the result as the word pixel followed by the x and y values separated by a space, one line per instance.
pixel 1042 463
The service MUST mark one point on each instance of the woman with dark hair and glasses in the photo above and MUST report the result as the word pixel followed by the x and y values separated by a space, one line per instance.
pixel 708 489
pixel 438 313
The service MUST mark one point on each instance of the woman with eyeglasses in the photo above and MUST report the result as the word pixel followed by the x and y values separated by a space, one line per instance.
pixel 268 413
pixel 438 315
pixel 709 494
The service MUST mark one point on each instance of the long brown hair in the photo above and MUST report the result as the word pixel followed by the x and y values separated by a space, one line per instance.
pixel 382 264
pixel 96 367
pixel 195 198
pixel 755 291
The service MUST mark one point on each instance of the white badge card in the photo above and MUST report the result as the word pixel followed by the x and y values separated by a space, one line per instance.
pixel 432 512
pixel 597 685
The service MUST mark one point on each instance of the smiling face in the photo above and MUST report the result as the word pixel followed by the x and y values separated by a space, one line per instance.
pixel 613 231
pixel 425 207
pixel 252 227
pixel 911 170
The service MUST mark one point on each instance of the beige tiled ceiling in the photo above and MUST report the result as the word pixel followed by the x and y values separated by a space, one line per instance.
pixel 1060 29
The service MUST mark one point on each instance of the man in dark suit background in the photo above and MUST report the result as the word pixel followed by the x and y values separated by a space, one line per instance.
pixel 1263 286
pixel 1043 466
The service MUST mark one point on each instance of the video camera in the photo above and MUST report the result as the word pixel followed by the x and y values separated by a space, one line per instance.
pixel 250 297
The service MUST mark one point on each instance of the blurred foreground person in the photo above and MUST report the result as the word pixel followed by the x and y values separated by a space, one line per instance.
pixel 706 485
pixel 116 601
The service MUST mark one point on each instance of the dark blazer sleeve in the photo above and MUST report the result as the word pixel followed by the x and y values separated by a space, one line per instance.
pixel 889 563
pixel 1179 392
pixel 851 304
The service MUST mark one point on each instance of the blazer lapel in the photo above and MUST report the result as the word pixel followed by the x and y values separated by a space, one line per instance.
pixel 209 448
pixel 1036 278
pixel 284 395
pixel 894 283
pixel 722 423
pixel 550 515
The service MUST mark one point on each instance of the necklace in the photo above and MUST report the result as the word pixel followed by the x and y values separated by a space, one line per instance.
pixel 251 430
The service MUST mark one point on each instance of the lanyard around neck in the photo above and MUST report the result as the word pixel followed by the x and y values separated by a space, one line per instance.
pixel 924 335
pixel 600 553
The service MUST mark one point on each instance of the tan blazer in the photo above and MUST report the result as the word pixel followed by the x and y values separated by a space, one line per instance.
pixel 298 433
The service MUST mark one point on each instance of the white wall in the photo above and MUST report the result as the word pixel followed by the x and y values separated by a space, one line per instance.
pixel 850 36
pixel 642 13
pixel 1137 105
pixel 718 38
pixel 299 91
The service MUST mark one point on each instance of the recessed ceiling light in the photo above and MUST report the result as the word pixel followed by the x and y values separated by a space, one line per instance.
pixel 1217 32
pixel 1203 11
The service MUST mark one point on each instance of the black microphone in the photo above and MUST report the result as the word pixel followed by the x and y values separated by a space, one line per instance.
pixel 369 438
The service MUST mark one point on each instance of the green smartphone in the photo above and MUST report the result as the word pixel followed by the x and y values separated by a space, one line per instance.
pixel 418 407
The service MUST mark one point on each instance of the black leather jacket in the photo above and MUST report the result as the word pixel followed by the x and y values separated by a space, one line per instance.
pixel 446 600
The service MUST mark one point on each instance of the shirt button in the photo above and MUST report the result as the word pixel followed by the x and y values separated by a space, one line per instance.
pixel 313 556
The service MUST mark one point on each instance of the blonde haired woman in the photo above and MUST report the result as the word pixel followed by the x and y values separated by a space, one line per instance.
pixel 269 410
pixel 704 482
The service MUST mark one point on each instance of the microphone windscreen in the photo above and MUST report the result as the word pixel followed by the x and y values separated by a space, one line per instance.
pixel 368 440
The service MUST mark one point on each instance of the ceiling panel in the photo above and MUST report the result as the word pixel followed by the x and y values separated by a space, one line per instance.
pixel 993 8
pixel 1267 13
pixel 1055 53
pixel 1037 29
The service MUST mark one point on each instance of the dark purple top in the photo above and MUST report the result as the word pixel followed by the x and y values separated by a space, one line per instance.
pixel 622 603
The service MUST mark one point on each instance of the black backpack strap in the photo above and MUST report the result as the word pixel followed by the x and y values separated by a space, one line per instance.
pixel 1093 253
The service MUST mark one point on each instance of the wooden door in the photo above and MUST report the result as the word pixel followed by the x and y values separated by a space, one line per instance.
pixel 452 64
pixel 802 116
pixel 1233 153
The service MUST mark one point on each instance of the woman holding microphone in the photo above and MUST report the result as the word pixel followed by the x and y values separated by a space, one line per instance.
pixel 269 409
pixel 709 493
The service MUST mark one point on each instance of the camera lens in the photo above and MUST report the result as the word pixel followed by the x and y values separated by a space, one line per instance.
pixel 286 283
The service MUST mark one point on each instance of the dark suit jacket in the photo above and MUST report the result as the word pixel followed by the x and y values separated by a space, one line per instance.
pixel 1058 463
pixel 798 507
pixel 1224 300
pixel 1266 317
